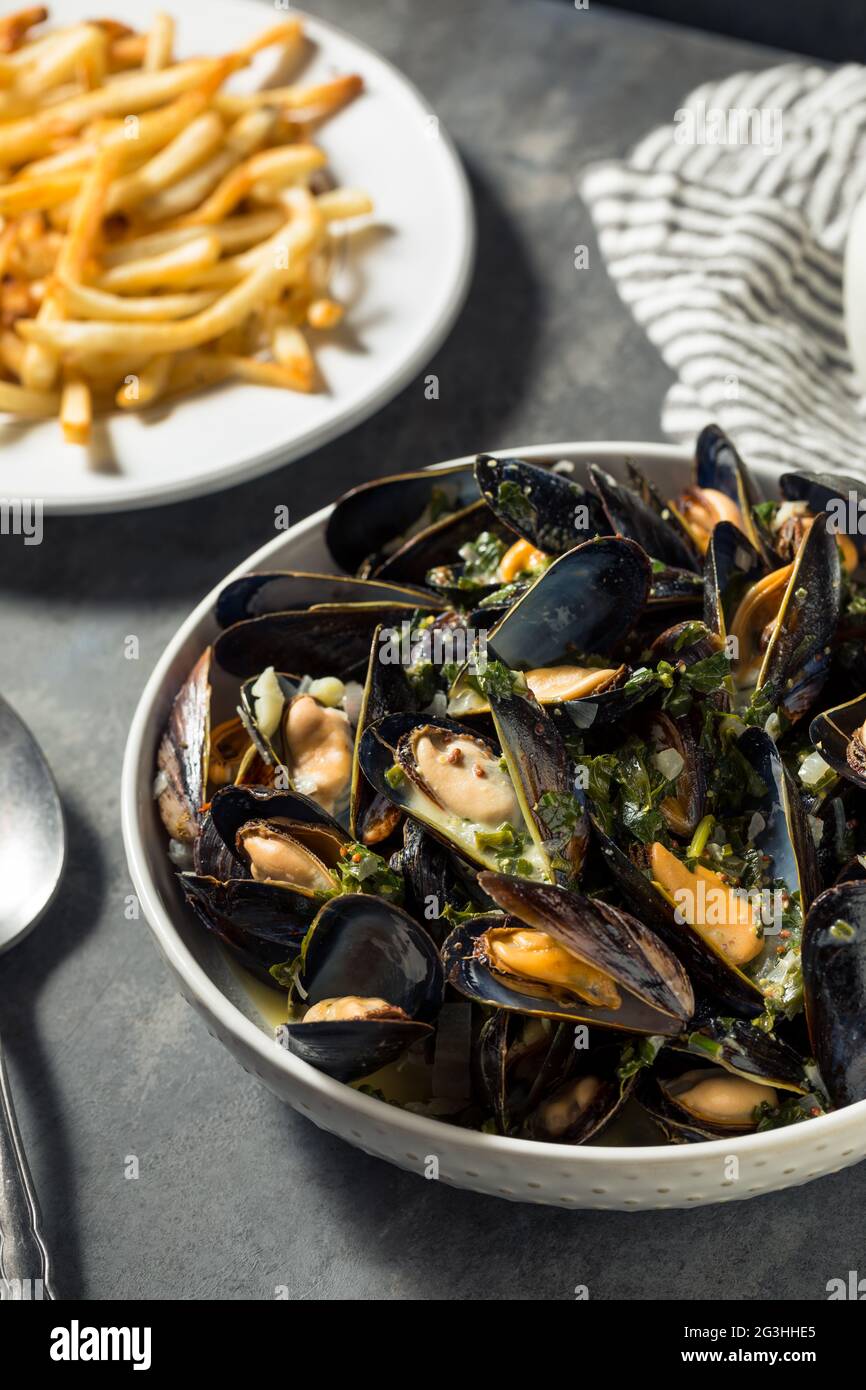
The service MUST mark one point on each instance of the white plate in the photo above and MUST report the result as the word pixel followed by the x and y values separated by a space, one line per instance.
pixel 600 1176
pixel 405 287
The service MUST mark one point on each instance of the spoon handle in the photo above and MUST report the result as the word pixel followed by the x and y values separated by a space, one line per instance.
pixel 24 1264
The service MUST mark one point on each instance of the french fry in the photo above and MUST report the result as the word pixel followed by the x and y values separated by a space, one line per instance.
pixel 185 151
pixel 235 234
pixel 292 352
pixel 315 102
pixel 157 234
pixel 83 301
pixel 33 405
pixel 324 313
pixel 245 136
pixel 63 58
pixel 172 267
pixel 146 386
pixel 74 338
pixel 76 410
pixel 341 203
pixel 275 167
pixel 160 42
pixel 14 27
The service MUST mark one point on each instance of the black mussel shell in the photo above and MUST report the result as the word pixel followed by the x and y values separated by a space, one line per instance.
pixel 796 661
pixel 213 858
pixel 834 978
pixel 824 492
pixel 543 777
pixel 672 587
pixel 435 879
pixel 719 466
pixel 732 565
pixel 786 837
pixel 835 734
pixel 232 807
pixel 366 520
pixel 656 994
pixel 577 1107
pixel 585 603
pixel 439 545
pixel 544 508
pixel 330 640
pixel 745 1050
pixel 260 924
pixel 362 946
pixel 630 516
pixel 684 809
pixel 182 757
pixel 282 591
pixel 387 690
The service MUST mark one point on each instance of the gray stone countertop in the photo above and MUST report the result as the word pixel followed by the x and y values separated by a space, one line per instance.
pixel 238 1194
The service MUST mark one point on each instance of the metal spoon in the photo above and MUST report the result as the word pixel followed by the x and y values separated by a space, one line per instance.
pixel 32 855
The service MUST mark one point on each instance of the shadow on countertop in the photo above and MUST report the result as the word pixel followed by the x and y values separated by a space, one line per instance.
pixel 179 552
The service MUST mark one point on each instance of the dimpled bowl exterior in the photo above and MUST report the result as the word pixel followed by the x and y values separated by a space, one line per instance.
pixel 622 1178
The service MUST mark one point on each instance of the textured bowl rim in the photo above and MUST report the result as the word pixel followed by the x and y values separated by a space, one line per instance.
pixel 215 1003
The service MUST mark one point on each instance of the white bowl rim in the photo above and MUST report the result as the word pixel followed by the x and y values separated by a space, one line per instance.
pixel 214 1002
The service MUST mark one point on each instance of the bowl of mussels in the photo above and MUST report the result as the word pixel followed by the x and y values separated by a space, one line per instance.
pixel 506 818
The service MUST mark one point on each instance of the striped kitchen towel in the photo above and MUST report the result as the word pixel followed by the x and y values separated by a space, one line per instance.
pixel 725 234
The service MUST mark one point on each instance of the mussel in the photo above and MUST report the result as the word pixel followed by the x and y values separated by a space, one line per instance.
pixel 562 956
pixel 371 984
pixel 834 978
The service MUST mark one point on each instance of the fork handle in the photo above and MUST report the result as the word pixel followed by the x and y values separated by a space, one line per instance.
pixel 24 1263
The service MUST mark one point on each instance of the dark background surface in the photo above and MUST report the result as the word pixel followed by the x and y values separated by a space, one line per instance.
pixel 827 29
pixel 237 1194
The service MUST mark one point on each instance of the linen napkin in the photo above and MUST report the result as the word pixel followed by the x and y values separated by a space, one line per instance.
pixel 730 257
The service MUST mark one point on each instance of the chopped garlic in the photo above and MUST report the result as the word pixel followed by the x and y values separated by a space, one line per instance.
pixel 669 763
pixel 269 700
pixel 328 691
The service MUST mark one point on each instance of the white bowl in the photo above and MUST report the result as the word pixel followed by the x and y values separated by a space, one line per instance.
pixel 598 1176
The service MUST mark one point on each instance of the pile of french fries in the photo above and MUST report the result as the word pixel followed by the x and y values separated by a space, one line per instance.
pixel 157 232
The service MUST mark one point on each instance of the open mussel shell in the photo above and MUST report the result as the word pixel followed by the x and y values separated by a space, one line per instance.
pixel 361 947
pixel 365 522
pixel 578 1106
pixel 719 466
pixel 387 690
pixel 282 591
pixel 785 837
pixel 711 974
pixel 631 516
pixel 834 979
pixel 543 777
pixel 684 808
pixel 213 858
pixel 544 508
pixel 745 1050
pixel 435 880
pixel 515 1058
pixel 182 758
pixel 328 640
pixel 639 985
pixel 731 566
pixel 829 492
pixel 585 603
pixel 692 1100
pixel 233 807
pixel 796 660
pixel 260 924
pixel 402 753
pixel 839 736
